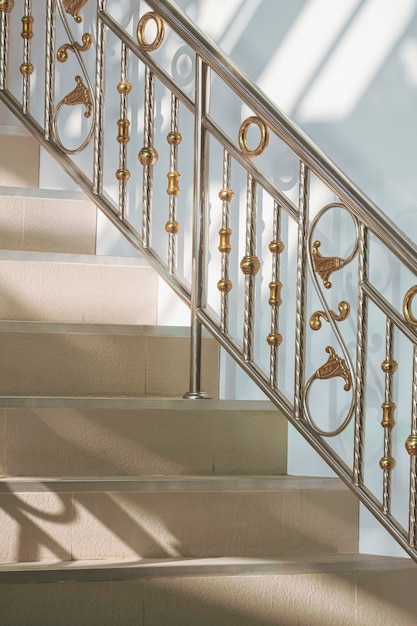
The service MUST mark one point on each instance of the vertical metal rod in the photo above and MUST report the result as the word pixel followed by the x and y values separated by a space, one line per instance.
pixel 252 268
pixel 173 166
pixel 26 68
pixel 99 102
pixel 224 303
pixel 389 356
pixel 201 155
pixel 147 168
pixel 124 74
pixel 49 67
pixel 4 42
pixel 412 522
pixel 273 359
pixel 361 350
pixel 301 290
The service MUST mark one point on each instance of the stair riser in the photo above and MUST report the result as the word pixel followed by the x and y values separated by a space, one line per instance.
pixel 47 224
pixel 77 293
pixel 19 161
pixel 42 526
pixel 72 442
pixel 42 364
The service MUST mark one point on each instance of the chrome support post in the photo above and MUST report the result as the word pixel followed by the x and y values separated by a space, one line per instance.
pixel 5 9
pixel 99 102
pixel 201 157
pixel 49 68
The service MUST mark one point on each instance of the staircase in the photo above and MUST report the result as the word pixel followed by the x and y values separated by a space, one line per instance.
pixel 121 502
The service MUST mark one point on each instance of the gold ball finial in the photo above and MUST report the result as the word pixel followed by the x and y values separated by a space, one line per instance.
pixel 148 156
pixel 411 445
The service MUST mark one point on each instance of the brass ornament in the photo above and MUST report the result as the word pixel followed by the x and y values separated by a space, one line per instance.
pixel 387 463
pixel 225 236
pixel 72 7
pixel 275 293
pixel 408 299
pixel 173 183
pixel 26 69
pixel 148 156
pixel 27 23
pixel 389 366
pixel 123 134
pixel 174 139
pixel 250 265
pixel 226 195
pixel 324 266
pixel 79 95
pixel 411 445
pixel 243 132
pixel 123 174
pixel 224 285
pixel 62 54
pixel 140 32
pixel 124 87
pixel 274 339
pixel 344 311
pixel 6 6
pixel 388 409
pixel 334 366
pixel 276 247
pixel 172 227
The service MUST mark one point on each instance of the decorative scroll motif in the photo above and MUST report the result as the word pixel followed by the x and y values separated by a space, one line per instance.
pixel 408 300
pixel 344 311
pixel 140 32
pixel 334 366
pixel 79 95
pixel 87 42
pixel 72 7
pixel 324 266
pixel 243 141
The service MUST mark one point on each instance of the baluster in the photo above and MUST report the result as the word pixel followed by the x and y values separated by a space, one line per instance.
pixel 148 156
pixel 124 88
pixel 224 285
pixel 301 290
pixel 99 101
pixel 274 338
pixel 387 462
pixel 361 343
pixel 26 68
pixel 49 67
pixel 172 227
pixel 411 447
pixel 5 8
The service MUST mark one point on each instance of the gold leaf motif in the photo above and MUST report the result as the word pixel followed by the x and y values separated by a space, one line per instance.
pixel 344 310
pixel 79 95
pixel 72 7
pixel 334 366
pixel 324 266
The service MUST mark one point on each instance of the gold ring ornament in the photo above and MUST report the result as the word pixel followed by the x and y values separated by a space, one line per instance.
pixel 140 32
pixel 243 141
pixel 408 299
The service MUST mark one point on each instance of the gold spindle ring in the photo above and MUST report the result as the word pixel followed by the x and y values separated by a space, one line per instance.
pixel 408 299
pixel 243 141
pixel 140 32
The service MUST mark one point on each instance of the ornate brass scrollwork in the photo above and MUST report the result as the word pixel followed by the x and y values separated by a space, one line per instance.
pixel 408 300
pixel 243 141
pixel 87 42
pixel 79 95
pixel 72 7
pixel 324 266
pixel 344 311
pixel 140 32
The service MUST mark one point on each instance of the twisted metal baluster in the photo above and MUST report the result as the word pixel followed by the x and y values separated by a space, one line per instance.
pixel 5 8
pixel 49 67
pixel 26 68
pixel 172 226
pixel 250 266
pixel 274 338
pixel 99 102
pixel 387 463
pixel 225 284
pixel 301 290
pixel 147 165
pixel 411 446
pixel 124 87
pixel 361 344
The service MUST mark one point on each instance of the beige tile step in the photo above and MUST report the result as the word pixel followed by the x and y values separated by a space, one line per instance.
pixel 347 591
pixel 57 287
pixel 41 359
pixel 141 436
pixel 19 160
pixel 161 517
pixel 47 221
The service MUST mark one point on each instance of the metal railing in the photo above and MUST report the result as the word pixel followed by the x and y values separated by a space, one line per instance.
pixel 271 304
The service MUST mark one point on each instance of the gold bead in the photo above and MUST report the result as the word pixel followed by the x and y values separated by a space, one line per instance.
pixel 226 195
pixel 225 285
pixel 27 23
pixel 173 188
pixel 174 139
pixel 250 265
pixel 124 87
pixel 26 68
pixel 274 339
pixel 123 131
pixel 225 235
pixel 275 293
pixel 276 247
pixel 122 174
pixel 411 445
pixel 6 6
pixel 389 366
pixel 387 463
pixel 388 409
pixel 148 156
pixel 173 228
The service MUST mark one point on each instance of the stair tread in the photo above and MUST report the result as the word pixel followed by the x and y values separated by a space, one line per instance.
pixel 164 484
pixel 98 328
pixel 29 256
pixel 114 569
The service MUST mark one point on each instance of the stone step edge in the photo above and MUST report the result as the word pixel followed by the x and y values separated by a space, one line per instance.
pixel 167 484
pixel 68 258
pixel 42 193
pixel 80 328
pixel 121 569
